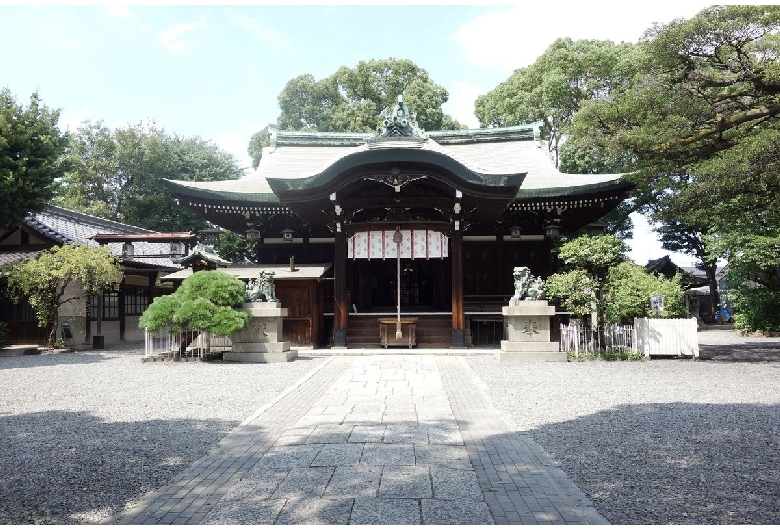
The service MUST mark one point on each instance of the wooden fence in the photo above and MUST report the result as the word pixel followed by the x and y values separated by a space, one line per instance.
pixel 667 336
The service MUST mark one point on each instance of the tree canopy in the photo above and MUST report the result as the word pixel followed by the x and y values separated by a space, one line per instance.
pixel 118 174
pixel 352 99
pixel 553 88
pixel 32 151
pixel 206 301
pixel 43 279
pixel 701 126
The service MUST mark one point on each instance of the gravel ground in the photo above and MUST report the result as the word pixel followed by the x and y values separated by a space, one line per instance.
pixel 668 441
pixel 84 435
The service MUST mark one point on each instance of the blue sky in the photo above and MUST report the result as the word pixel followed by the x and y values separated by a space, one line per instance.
pixel 216 71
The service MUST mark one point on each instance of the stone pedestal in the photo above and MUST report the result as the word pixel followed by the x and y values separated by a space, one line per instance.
pixel 528 331
pixel 261 341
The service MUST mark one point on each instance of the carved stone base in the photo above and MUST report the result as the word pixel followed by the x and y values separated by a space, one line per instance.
pixel 261 341
pixel 528 331
pixel 530 352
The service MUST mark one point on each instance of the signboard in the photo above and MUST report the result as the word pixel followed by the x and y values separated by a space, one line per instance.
pixel 657 303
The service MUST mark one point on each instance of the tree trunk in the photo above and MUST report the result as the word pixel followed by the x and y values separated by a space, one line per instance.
pixel 710 268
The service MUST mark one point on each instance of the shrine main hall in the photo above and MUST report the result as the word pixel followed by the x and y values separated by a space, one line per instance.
pixel 329 213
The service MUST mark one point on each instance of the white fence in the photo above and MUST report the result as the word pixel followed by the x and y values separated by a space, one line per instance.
pixel 576 338
pixel 667 336
pixel 184 345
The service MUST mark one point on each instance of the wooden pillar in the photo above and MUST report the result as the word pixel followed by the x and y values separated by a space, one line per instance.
pixel 340 310
pixel 121 302
pixel 456 256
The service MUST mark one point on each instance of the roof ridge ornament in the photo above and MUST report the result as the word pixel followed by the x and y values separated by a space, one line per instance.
pixel 398 124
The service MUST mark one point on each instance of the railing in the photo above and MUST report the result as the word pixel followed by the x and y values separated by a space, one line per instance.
pixel 184 345
pixel 613 338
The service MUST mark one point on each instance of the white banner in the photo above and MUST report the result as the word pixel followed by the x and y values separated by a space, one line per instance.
pixel 415 244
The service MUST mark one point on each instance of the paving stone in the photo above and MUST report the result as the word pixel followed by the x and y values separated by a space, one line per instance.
pixel 354 481
pixel 385 511
pixel 316 511
pixel 287 457
pixel 444 433
pixel 435 511
pixel 367 433
pixel 257 485
pixel 453 484
pixel 388 454
pixel 339 455
pixel 408 482
pixel 406 433
pixel 304 481
pixel 452 456
pixel 254 513
pixel 330 434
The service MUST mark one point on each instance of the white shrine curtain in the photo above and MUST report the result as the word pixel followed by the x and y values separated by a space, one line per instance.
pixel 416 244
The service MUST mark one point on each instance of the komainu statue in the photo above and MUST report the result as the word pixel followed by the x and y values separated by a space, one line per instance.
pixel 527 287
pixel 261 289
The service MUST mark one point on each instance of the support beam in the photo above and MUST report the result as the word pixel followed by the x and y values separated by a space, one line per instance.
pixel 340 309
pixel 456 255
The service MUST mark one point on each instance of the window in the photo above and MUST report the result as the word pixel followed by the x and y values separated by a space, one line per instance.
pixel 136 300
pixel 110 305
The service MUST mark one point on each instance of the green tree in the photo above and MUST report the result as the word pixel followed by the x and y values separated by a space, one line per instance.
pixel 206 301
pixel 589 259
pixel 705 108
pixel 258 141
pixel 43 280
pixel 352 99
pixel 552 90
pixel 118 174
pixel 32 156
pixel 629 290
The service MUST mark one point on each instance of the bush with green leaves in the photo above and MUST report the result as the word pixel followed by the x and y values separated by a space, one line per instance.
pixel 206 301
pixel 43 280
pixel 3 333
pixel 755 308
pixel 629 290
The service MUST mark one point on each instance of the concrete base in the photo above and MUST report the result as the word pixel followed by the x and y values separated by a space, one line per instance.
pixel 260 342
pixel 528 331
pixel 261 357
pixel 530 352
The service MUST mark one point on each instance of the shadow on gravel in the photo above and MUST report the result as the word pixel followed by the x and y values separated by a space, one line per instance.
pixel 50 359
pixel 674 463
pixel 767 350
pixel 70 468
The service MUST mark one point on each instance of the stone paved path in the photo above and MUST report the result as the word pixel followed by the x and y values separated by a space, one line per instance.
pixel 401 439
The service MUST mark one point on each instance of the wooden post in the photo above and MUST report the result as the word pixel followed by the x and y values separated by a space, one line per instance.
pixel 456 255
pixel 340 309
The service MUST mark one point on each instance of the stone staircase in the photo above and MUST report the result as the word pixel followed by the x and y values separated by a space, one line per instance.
pixel 433 331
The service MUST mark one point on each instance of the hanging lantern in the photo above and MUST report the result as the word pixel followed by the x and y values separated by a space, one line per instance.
pixel 210 236
pixel 252 235
pixel 552 231
pixel 287 235
pixel 515 232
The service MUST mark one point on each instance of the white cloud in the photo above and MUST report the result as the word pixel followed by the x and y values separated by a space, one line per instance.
pixel 511 38
pixel 260 28
pixel 172 39
pixel 55 37
pixel 645 245
pixel 71 121
pixel 461 103
pixel 235 144
pixel 118 11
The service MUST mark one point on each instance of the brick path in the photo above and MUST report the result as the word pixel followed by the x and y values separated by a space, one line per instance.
pixel 392 439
